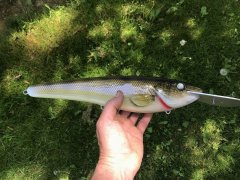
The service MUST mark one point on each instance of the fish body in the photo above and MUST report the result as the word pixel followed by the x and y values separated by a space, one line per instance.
pixel 141 94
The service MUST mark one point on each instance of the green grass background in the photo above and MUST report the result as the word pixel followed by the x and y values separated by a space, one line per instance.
pixel 55 139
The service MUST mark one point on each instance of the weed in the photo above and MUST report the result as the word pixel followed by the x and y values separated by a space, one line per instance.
pixel 197 42
pixel 204 11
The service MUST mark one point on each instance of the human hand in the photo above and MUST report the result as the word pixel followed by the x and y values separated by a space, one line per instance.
pixel 120 141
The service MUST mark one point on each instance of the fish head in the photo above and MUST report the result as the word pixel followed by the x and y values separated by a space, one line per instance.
pixel 175 94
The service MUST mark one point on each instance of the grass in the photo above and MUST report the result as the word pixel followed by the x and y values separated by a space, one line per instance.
pixel 55 139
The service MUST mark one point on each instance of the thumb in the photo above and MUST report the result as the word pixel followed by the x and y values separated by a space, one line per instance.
pixel 111 108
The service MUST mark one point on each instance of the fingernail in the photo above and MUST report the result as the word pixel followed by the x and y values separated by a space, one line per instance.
pixel 118 94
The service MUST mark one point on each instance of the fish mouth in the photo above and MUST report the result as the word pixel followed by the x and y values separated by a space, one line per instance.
pixel 194 89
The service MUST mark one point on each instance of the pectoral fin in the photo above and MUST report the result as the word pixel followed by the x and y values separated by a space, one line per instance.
pixel 142 99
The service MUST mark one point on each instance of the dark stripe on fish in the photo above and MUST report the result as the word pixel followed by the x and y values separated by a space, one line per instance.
pixel 120 78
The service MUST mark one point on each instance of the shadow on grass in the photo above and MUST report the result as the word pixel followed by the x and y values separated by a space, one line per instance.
pixel 32 135
pixel 89 39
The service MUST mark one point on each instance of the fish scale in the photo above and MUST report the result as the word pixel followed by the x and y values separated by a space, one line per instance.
pixel 141 94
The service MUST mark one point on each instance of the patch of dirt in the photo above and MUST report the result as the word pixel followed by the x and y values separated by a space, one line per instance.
pixel 2 25
pixel 10 8
pixel 13 7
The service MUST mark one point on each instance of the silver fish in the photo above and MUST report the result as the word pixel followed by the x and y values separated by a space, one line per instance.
pixel 141 94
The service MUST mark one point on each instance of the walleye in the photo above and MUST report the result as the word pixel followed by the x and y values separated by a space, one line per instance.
pixel 141 94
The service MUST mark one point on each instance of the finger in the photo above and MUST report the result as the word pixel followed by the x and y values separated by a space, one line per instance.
pixel 143 123
pixel 125 114
pixel 112 106
pixel 133 118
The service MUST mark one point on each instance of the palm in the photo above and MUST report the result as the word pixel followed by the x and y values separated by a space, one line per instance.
pixel 120 140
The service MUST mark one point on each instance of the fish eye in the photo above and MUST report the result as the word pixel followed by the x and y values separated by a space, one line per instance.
pixel 180 86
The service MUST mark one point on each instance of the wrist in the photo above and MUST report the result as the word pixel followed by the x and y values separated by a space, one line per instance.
pixel 106 172
pixel 113 170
